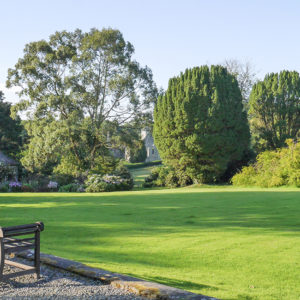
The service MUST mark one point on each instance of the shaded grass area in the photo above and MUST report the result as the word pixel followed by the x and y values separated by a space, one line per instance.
pixel 142 164
pixel 227 242
pixel 139 175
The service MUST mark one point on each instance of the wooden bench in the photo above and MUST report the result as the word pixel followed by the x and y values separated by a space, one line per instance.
pixel 11 243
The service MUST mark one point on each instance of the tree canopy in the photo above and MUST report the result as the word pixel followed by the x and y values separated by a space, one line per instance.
pixel 76 87
pixel 275 109
pixel 199 123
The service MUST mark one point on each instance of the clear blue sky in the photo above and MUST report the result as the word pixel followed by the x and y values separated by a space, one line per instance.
pixel 168 35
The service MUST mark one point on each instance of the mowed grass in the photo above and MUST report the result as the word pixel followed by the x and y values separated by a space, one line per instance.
pixel 224 242
pixel 139 175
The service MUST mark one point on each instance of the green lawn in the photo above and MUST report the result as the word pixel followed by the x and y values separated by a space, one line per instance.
pixel 139 175
pixel 224 242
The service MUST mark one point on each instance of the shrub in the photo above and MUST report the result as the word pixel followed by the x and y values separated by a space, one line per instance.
pixel 39 182
pixel 166 176
pixel 121 180
pixel 122 171
pixel 162 175
pixel 148 184
pixel 171 179
pixel 96 185
pixel 246 177
pixel 183 178
pixel 35 185
pixel 39 187
pixel 43 185
pixel 62 179
pixel 273 168
pixel 157 177
pixel 153 176
pixel 7 172
pixel 52 186
pixel 81 189
pixel 27 188
pixel 15 186
pixel 70 188
pixel 4 188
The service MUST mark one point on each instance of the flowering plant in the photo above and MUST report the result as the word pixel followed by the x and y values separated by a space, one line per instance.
pixel 52 185
pixel 108 183
pixel 15 186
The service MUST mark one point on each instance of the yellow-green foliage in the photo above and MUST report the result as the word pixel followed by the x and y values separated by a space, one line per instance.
pixel 273 168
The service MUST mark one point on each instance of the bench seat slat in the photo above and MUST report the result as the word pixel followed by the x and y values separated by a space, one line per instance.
pixel 18 265
pixel 18 249
pixel 9 241
pixel 17 243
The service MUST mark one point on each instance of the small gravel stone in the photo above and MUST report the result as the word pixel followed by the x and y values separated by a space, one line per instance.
pixel 59 284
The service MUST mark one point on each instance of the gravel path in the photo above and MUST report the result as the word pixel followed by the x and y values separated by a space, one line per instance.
pixel 58 284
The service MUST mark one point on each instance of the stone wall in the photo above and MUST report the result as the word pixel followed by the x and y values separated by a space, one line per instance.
pixel 152 152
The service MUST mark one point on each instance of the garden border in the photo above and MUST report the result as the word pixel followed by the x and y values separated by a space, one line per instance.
pixel 137 286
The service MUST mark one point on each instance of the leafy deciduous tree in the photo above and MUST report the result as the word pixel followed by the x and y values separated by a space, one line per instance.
pixel 245 75
pixel 72 87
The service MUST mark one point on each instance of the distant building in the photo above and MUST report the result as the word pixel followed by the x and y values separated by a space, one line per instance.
pixel 152 152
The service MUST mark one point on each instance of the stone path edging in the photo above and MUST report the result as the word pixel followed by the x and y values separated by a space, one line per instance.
pixel 137 286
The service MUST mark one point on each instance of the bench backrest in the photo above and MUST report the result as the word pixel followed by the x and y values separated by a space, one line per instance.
pixel 21 229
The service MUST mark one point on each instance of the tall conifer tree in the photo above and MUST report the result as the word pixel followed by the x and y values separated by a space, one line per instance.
pixel 275 110
pixel 199 124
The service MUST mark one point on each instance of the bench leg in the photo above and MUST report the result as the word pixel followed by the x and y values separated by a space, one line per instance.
pixel 37 254
pixel 1 258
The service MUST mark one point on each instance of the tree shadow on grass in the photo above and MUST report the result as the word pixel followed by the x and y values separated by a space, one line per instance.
pixel 180 284
pixel 242 297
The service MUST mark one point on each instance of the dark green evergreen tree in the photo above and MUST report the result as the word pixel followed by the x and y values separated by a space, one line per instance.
pixel 11 131
pixel 139 153
pixel 275 110
pixel 199 124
